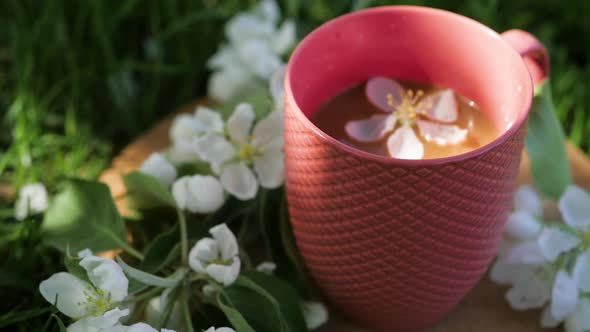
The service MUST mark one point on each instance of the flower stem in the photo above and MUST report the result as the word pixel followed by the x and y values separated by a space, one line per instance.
pixel 183 237
pixel 186 311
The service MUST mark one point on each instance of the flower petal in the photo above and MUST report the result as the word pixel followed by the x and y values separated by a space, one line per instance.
pixel 230 83
pixel 69 291
pixel 184 151
pixel 574 206
pixel 529 294
pixel 270 168
pixel 225 274
pixel 226 240
pixel 106 275
pixel 109 321
pixel 141 327
pixel 371 129
pixel 244 27
pixel 239 181
pixel 32 199
pixel 525 253
pixel 284 38
pixel 205 194
pixel 522 226
pixel 184 127
pixel 159 168
pixel 404 144
pixel 208 120
pixel 258 57
pixel 441 134
pixel 581 272
pixel 440 106
pixel 503 272
pixel 203 252
pixel 579 320
pixel 225 329
pixel 268 10
pixel 266 267
pixel 268 130
pixel 215 149
pixel 240 122
pixel 554 242
pixel 547 320
pixel 526 199
pixel 276 87
pixel 564 296
pixel 315 314
pixel 378 90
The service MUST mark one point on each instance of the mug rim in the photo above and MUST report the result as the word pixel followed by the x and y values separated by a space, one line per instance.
pixel 298 113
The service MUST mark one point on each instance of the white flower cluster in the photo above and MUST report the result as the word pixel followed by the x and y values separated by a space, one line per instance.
pixel 548 262
pixel 244 154
pixel 253 52
pixel 243 157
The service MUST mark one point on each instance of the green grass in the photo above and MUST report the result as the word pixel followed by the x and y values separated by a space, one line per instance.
pixel 80 79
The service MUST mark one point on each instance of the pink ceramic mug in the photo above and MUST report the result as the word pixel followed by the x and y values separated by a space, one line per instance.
pixel 396 244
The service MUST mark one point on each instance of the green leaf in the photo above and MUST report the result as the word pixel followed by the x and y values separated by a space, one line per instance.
pixel 158 253
pixel 81 216
pixel 60 323
pixel 273 325
pixel 145 191
pixel 150 279
pixel 545 144
pixel 287 297
pixel 72 264
pixel 256 292
pixel 234 316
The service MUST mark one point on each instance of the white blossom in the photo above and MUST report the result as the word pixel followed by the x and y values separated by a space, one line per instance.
pixel 315 314
pixel 220 329
pixel 403 112
pixel 522 223
pixel 198 193
pixel 266 267
pixel 218 256
pixel 32 199
pixel 94 304
pixel 253 53
pixel 250 157
pixel 158 167
pixel 186 128
pixel 564 296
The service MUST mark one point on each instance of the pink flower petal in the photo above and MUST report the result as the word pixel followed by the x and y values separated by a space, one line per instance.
pixel 371 129
pixel 378 89
pixel 441 134
pixel 440 106
pixel 404 144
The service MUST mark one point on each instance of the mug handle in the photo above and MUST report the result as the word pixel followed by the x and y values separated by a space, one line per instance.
pixel 534 54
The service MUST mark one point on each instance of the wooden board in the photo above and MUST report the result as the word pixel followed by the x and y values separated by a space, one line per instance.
pixel 483 310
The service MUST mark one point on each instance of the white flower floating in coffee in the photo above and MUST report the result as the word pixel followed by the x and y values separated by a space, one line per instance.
pixel 432 115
